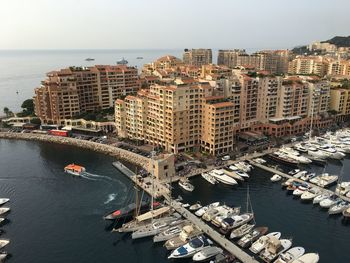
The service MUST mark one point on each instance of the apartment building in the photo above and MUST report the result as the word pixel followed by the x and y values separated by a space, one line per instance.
pixel 307 65
pixel 215 72
pixel 162 63
pixel 319 98
pixel 71 91
pixel 268 99
pixel 197 57
pixel 339 68
pixel 340 101
pixel 229 57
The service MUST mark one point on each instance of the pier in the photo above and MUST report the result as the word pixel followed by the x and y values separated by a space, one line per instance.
pixel 274 171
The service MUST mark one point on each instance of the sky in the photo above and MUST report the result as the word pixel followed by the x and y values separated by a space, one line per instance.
pixel 167 24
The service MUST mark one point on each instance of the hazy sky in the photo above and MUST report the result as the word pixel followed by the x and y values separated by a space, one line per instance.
pixel 121 24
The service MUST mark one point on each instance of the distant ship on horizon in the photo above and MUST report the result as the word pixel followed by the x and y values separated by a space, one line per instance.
pixel 139 57
pixel 89 59
pixel 122 62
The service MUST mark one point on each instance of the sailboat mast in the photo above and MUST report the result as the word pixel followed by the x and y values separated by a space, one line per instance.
pixel 312 115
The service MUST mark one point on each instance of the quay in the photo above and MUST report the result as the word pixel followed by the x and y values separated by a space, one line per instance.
pixel 274 171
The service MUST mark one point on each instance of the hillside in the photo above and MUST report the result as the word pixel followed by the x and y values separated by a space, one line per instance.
pixel 339 41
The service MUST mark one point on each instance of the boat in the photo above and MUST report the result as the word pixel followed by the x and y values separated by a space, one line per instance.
pixel 338 208
pixel 195 207
pixel 207 253
pixel 300 190
pixel 259 244
pixel 3 256
pixel 233 174
pixel 290 255
pixel 3 242
pixel 331 152
pixel 249 238
pixel 317 160
pixel 209 178
pixel 259 160
pixel 229 211
pixel 187 232
pixel 210 214
pixel 241 231
pixel 139 57
pixel 308 258
pixel 185 205
pixel 328 202
pixel 242 174
pixel 222 177
pixel 300 174
pixel 204 209
pixel 294 171
pixel 122 62
pixel 130 210
pixel 4 200
pixel 4 210
pixel 170 232
pixel 243 166
pixel 275 178
pixel 186 185
pixel 89 59
pixel 324 180
pixel 287 183
pixel 310 194
pixel 307 176
pixel 283 158
pixel 313 152
pixel 74 169
pixel 346 213
pixel 192 247
pixel 233 167
pixel 274 248
pixel 299 147
pixel 343 188
pixel 235 221
pixel 320 197
pixel 224 258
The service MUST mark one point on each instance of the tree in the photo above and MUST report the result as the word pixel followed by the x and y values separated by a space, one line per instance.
pixel 7 111
pixel 28 106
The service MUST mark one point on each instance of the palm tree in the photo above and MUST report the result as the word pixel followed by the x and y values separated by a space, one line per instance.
pixel 6 111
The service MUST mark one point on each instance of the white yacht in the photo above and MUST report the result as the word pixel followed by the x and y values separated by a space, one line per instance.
pixel 294 171
pixel 338 208
pixel 259 245
pixel 218 211
pixel 242 174
pixel 220 176
pixel 274 248
pixel 186 185
pixel 331 152
pixel 259 160
pixel 320 197
pixel 290 255
pixel 233 168
pixel 230 211
pixel 312 151
pixel 275 178
pixel 209 178
pixel 249 238
pixel 207 253
pixel 310 194
pixel 192 247
pixel 300 174
pixel 170 232
pixel 308 258
pixel 233 174
pixel 4 200
pixel 328 202
pixel 244 166
pixel 343 188
pixel 3 242
pixel 241 231
pixel 300 190
pixel 200 212
pixel 235 221
pixel 299 147
pixel 187 232
pixel 195 207
pixel 4 210
pixel 324 180
pixel 307 176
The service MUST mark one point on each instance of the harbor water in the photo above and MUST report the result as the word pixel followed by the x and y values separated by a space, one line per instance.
pixel 56 217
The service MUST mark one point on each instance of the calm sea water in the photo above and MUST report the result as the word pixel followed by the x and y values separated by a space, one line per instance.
pixel 58 218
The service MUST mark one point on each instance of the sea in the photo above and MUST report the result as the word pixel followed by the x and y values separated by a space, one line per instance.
pixel 56 217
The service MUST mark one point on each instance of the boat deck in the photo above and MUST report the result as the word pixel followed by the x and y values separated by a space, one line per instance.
pixel 274 171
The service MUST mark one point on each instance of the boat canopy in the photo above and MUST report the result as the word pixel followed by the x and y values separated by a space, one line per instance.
pixel 74 167
pixel 153 213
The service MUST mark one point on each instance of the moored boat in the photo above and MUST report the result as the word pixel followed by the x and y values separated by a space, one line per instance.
pixel 328 202
pixel 4 200
pixel 4 210
pixel 3 242
pixel 186 185
pixel 274 248
pixel 249 238
pixel 195 207
pixel 234 222
pixel 320 197
pixel 222 177
pixel 209 178
pixel 260 244
pixel 129 210
pixel 200 212
pixel 275 178
pixel 290 255
pixel 241 231
pixel 187 232
pixel 170 232
pixel 207 253
pixel 192 247
pixel 308 258
pixel 338 208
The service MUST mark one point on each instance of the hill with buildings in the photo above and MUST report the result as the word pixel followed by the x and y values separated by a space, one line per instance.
pixel 338 41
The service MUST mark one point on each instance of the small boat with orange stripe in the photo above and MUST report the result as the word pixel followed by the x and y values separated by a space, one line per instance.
pixel 74 169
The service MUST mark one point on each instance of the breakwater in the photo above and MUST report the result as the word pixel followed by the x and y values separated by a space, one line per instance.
pixel 113 151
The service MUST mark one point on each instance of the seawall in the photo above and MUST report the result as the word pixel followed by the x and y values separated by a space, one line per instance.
pixel 94 146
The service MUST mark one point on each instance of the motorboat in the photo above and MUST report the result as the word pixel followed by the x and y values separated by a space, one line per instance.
pixel 300 190
pixel 259 160
pixel 89 59
pixel 307 176
pixel 310 194
pixel 195 207
pixel 290 255
pixel 200 212
pixel 219 211
pixel 346 213
pixel 294 171
pixel 74 169
pixel 320 197
pixel 3 256
pixel 233 168
pixel 4 200
pixel 249 238
pixel 3 243
pixel 234 174
pixel 338 208
pixel 275 178
pixel 288 150
pixel 192 247
pixel 122 62
pixel 4 210
pixel 308 258
pixel 235 221
pixel 241 231
pixel 314 152
pixel 260 244
pixel 283 158
pixel 220 176
pixel 170 232
pixel 185 205
pixel 299 147
pixel 243 166
pixel 324 180
pixel 328 202
pixel 274 248
pixel 242 174
pixel 343 188
pixel 230 211
pixel 317 160
pixel 331 152
pixel 207 253
pixel 300 174
pixel 187 232
pixel 209 178
pixel 294 185
pixel 186 185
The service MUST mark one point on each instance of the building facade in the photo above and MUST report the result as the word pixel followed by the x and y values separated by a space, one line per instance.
pixel 197 57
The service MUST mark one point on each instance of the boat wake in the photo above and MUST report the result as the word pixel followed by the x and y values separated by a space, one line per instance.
pixel 96 177
pixel 110 198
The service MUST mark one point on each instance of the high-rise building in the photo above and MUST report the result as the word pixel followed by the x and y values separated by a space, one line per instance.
pixel 309 65
pixel 71 91
pixel 197 57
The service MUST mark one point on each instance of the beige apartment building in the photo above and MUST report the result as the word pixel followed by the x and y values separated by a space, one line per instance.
pixel 71 91
pixel 197 57
pixel 340 101
pixel 176 118
pixel 307 65
pixel 339 68
pixel 163 63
